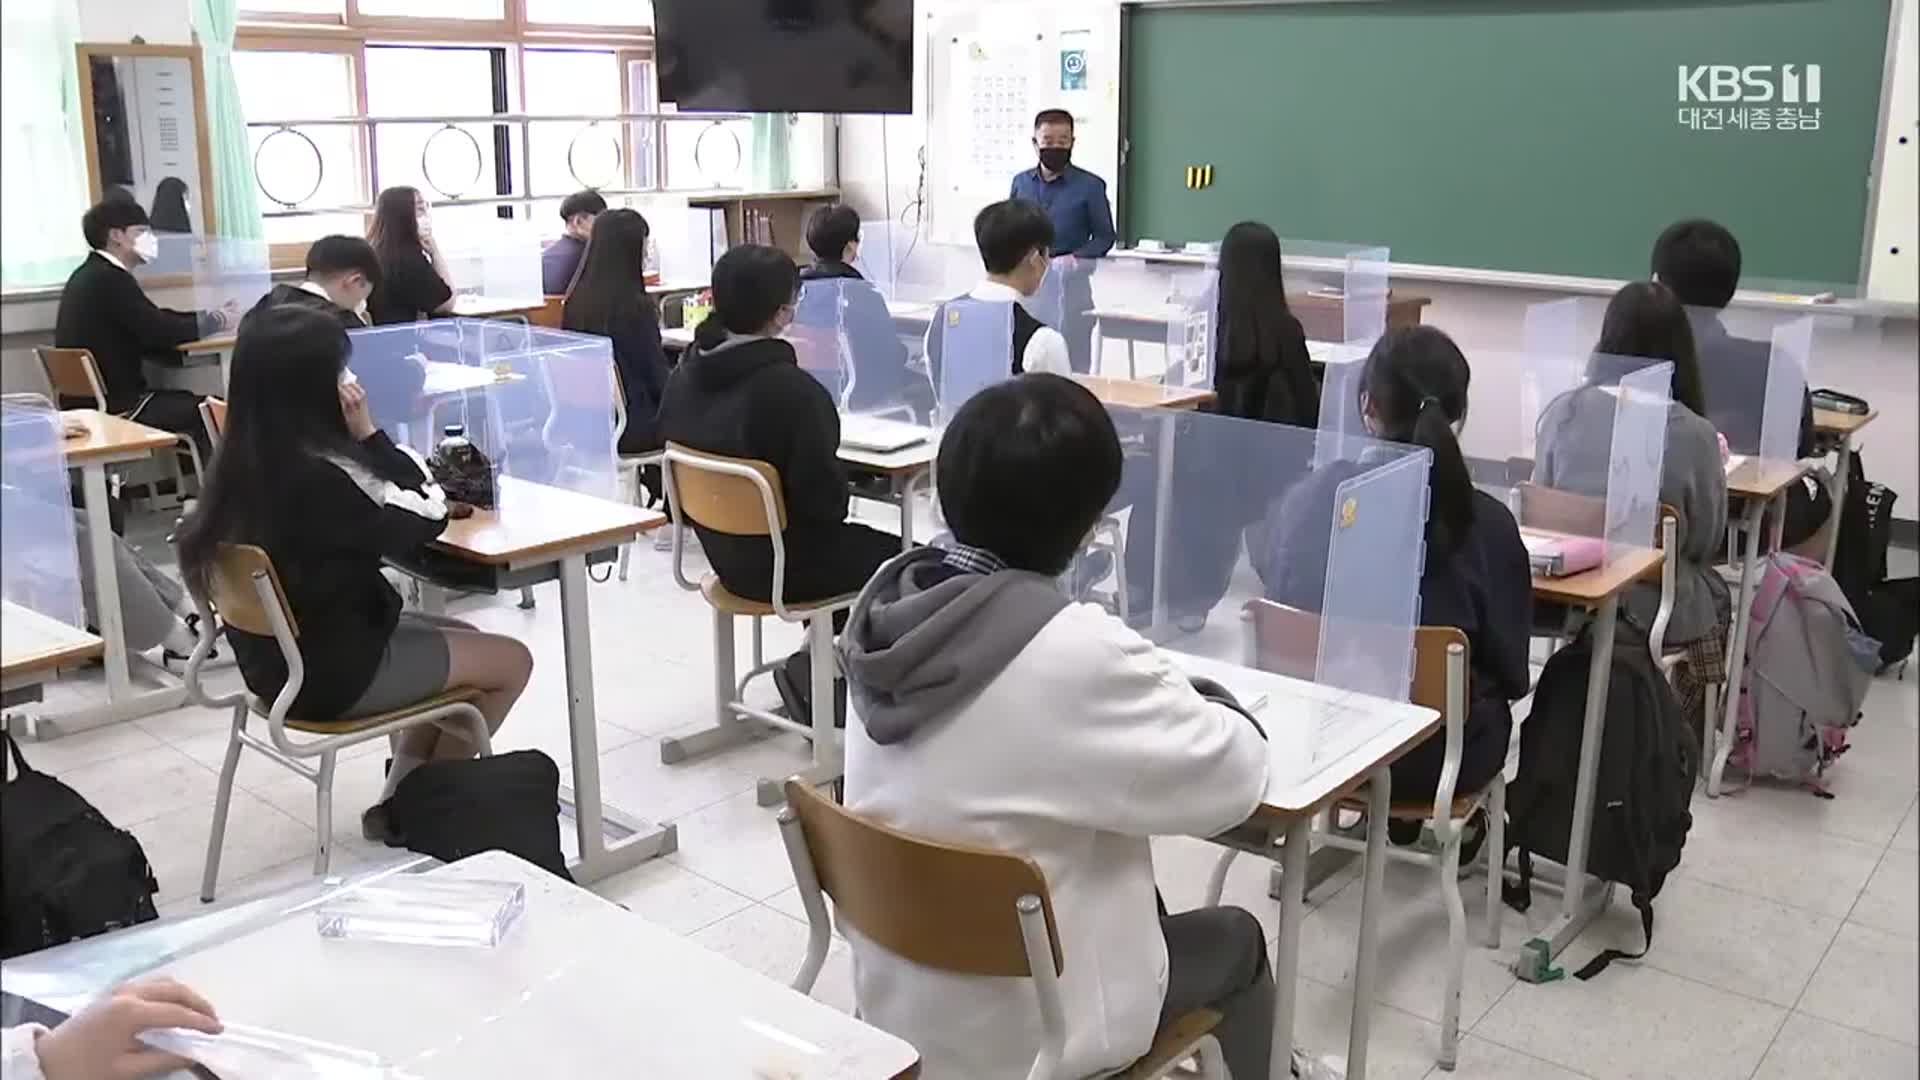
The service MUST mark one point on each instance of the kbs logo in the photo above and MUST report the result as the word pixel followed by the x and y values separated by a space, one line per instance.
pixel 1753 84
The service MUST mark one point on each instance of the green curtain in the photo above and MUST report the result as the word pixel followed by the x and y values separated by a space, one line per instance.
pixel 772 151
pixel 43 189
pixel 235 209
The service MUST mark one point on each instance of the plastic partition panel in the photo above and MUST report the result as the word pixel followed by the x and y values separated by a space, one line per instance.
pixel 1375 554
pixel 976 350
pixel 883 380
pixel 1192 336
pixel 1792 350
pixel 500 261
pixel 1638 452
pixel 882 246
pixel 1552 327
pixel 39 560
pixel 1049 302
pixel 683 240
pixel 1364 314
pixel 928 273
pixel 1342 429
pixel 815 335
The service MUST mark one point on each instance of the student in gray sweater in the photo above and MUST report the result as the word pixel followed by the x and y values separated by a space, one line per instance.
pixel 1645 320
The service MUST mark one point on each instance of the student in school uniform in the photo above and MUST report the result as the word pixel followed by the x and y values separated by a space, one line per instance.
pixel 1264 371
pixel 1014 238
pixel 304 473
pixel 342 273
pixel 740 392
pixel 104 310
pixel 1646 321
pixel 562 258
pixel 610 299
pixel 989 709
pixel 414 283
pixel 881 377
pixel 1476 576
pixel 1700 261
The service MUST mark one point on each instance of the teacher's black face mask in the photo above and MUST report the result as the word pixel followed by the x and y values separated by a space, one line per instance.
pixel 1055 158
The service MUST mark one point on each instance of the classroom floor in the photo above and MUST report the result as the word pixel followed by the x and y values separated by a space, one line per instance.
pixel 1785 947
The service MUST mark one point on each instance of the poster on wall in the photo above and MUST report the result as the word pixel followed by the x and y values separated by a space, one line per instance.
pixel 992 78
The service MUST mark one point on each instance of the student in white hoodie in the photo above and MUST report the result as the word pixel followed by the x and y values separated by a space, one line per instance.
pixel 989 709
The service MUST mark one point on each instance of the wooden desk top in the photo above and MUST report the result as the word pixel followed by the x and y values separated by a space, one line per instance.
pixel 211 343
pixel 678 286
pixel 1143 395
pixel 31 642
pixel 1755 478
pixel 1588 588
pixel 534 520
pixel 1833 422
pixel 477 306
pixel 109 436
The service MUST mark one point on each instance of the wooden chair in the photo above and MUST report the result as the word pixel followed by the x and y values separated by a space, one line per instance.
pixel 73 373
pixel 956 908
pixel 1286 640
pixel 551 312
pixel 742 497
pixel 246 594
pixel 213 414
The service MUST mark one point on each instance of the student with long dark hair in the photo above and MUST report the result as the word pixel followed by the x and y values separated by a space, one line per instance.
pixel 304 473
pixel 170 206
pixel 609 298
pixel 1413 390
pixel 414 282
pixel 1646 322
pixel 1264 372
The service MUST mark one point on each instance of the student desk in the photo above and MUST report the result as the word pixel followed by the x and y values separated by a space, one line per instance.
pixel 1758 484
pixel 33 647
pixel 904 470
pixel 537 534
pixel 110 440
pixel 1837 429
pixel 1132 394
pixel 476 306
pixel 1322 318
pixel 676 338
pixel 1284 820
pixel 1599 590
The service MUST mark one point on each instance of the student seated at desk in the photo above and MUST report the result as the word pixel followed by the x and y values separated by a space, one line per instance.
pixel 102 1041
pixel 1645 320
pixel 1700 261
pixel 1015 239
pixel 304 473
pixel 414 282
pixel 342 273
pixel 989 709
pixel 1264 371
pixel 881 377
pixel 104 310
pixel 1476 578
pixel 562 258
pixel 610 299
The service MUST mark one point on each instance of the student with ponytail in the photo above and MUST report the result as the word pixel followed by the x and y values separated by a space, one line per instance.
pixel 1476 577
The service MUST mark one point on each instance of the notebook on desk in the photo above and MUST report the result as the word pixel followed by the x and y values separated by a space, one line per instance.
pixel 1558 555
pixel 878 435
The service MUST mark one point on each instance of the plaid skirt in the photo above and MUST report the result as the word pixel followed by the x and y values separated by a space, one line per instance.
pixel 1704 661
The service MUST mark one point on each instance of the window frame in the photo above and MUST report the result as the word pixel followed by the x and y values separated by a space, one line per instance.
pixel 513 27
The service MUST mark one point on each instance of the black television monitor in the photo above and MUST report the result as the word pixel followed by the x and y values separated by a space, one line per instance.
pixel 821 56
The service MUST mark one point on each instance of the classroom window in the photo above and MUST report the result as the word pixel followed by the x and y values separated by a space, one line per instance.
pixel 302 166
pixel 567 155
pixel 435 9
pixel 590 12
pixel 445 161
pixel 269 10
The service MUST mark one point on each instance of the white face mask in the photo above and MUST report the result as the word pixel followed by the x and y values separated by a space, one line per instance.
pixel 425 224
pixel 147 246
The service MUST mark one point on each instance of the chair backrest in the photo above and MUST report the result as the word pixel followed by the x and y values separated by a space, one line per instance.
pixel 716 492
pixel 235 597
pixel 944 906
pixel 213 414
pixel 72 373
pixel 551 312
pixel 1430 645
pixel 1286 640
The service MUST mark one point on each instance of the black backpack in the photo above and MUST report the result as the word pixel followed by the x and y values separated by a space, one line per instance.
pixel 65 871
pixel 1649 758
pixel 1885 608
pixel 506 802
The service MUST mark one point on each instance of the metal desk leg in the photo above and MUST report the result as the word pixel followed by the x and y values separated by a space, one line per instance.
pixel 1286 960
pixel 1737 646
pixel 1577 904
pixel 106 584
pixel 1379 792
pixel 639 840
pixel 1845 456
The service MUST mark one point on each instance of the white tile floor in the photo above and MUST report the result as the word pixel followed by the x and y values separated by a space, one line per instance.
pixel 1786 944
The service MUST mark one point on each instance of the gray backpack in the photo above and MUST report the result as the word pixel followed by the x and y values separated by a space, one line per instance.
pixel 1807 669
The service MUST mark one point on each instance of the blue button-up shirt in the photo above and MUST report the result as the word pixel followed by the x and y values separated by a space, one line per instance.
pixel 1076 200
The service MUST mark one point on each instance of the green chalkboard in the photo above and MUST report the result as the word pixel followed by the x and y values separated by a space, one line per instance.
pixel 1531 135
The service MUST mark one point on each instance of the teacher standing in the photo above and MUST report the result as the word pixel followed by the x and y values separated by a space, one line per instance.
pixel 1076 201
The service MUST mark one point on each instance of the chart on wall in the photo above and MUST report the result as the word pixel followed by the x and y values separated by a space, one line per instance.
pixel 992 76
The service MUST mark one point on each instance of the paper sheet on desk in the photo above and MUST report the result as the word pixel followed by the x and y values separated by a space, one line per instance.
pixel 1734 461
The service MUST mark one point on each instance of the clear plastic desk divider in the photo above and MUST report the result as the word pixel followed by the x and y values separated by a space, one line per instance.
pixel 1192 336
pixel 1792 350
pixel 815 335
pixel 1638 451
pixel 975 350
pixel 39 562
pixel 1364 311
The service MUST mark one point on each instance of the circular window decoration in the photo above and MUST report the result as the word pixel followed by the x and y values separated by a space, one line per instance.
pixel 718 159
pixel 593 156
pixel 287 157
pixel 444 157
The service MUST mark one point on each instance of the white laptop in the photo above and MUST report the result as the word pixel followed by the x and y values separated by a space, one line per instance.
pixel 878 435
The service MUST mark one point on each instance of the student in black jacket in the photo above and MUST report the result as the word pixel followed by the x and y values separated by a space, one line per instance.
pixel 414 282
pixel 104 310
pixel 609 298
pixel 342 272
pixel 740 392
pixel 881 378
pixel 304 473
pixel 1476 576
pixel 1699 261
pixel 561 260
pixel 1263 372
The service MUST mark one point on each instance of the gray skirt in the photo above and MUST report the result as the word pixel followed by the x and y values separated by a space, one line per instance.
pixel 414 666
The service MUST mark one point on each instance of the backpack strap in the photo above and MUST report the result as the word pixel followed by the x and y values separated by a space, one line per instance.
pixel 20 766
pixel 1519 895
pixel 1641 902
